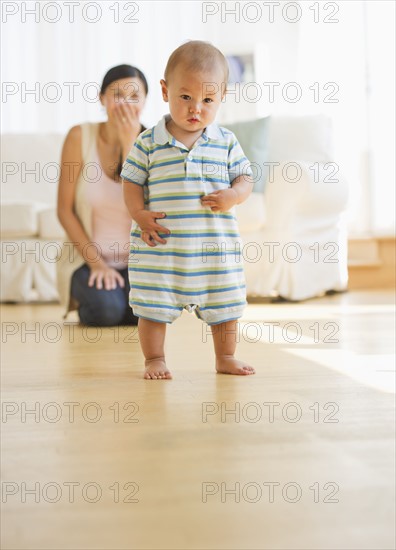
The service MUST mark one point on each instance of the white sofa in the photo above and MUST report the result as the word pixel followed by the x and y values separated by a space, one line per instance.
pixel 30 230
pixel 295 235
pixel 295 243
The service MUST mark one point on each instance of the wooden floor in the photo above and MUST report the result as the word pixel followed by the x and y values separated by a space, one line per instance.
pixel 299 456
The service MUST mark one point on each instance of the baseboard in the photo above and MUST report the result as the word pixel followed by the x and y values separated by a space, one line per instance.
pixel 371 263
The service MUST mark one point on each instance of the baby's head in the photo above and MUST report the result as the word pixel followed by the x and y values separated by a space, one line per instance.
pixel 195 82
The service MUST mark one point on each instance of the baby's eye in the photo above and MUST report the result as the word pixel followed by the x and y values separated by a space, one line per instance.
pixel 186 97
pixel 208 100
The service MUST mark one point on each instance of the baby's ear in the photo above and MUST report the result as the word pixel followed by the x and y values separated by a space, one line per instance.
pixel 164 90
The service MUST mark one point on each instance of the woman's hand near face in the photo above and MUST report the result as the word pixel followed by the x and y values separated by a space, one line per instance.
pixel 126 118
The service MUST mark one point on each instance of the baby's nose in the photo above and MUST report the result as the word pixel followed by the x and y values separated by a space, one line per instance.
pixel 195 108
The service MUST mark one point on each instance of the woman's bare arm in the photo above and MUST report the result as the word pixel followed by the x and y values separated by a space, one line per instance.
pixel 71 166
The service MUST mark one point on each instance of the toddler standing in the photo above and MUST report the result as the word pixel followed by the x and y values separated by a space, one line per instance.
pixel 191 173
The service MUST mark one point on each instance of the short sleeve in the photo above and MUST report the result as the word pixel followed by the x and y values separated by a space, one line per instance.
pixel 135 167
pixel 238 164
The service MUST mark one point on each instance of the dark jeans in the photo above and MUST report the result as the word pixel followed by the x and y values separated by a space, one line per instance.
pixel 101 307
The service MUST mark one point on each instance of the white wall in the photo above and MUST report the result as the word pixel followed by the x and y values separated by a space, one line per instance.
pixel 39 53
pixel 356 52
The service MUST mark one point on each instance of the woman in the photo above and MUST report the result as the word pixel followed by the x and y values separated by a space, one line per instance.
pixel 92 271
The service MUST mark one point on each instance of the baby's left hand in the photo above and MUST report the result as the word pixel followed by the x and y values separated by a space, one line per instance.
pixel 220 201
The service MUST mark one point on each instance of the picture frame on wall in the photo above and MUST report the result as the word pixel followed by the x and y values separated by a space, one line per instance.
pixel 244 98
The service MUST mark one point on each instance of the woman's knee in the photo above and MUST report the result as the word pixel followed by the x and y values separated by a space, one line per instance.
pixel 79 282
pixel 103 307
pixel 101 314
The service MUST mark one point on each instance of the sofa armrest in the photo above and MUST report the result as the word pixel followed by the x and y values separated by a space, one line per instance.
pixel 49 227
pixel 251 213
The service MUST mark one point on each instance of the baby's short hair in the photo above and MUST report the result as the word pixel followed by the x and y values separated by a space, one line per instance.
pixel 198 56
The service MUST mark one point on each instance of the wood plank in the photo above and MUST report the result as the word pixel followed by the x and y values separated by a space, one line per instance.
pixel 201 434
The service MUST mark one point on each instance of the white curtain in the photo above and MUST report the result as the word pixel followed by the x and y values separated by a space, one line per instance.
pixel 357 54
pixel 380 25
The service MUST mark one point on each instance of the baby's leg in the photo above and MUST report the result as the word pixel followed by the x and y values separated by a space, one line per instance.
pixel 224 339
pixel 152 340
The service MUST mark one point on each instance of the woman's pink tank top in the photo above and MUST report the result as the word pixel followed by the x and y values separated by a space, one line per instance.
pixel 111 221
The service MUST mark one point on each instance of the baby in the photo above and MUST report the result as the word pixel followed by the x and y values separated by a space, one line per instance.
pixel 191 173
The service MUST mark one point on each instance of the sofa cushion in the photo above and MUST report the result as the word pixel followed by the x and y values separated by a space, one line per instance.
pixel 16 270
pixel 49 226
pixel 253 138
pixel 251 213
pixel 18 219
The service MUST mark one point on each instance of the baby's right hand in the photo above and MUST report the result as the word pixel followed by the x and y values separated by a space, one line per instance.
pixel 150 228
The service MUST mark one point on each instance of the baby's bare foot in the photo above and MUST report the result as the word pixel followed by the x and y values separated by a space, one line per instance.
pixel 156 369
pixel 227 364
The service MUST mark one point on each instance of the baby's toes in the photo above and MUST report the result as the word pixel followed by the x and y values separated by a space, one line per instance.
pixel 154 375
pixel 248 369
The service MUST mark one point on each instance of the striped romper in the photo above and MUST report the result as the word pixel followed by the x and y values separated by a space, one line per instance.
pixel 200 268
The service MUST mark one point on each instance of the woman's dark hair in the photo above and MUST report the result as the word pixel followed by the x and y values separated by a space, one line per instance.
pixel 122 71
pixel 116 73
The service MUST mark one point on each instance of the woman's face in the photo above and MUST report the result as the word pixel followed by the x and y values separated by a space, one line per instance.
pixel 126 90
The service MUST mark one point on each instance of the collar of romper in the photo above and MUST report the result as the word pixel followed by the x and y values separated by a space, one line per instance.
pixel 161 136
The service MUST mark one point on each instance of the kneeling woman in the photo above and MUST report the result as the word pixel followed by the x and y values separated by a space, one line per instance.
pixel 92 272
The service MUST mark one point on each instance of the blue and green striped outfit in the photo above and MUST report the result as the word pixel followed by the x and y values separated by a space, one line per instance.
pixel 200 268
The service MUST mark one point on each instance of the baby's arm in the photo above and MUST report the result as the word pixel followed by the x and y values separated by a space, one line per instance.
pixel 224 199
pixel 243 186
pixel 240 175
pixel 134 200
pixel 134 176
pixel 133 197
